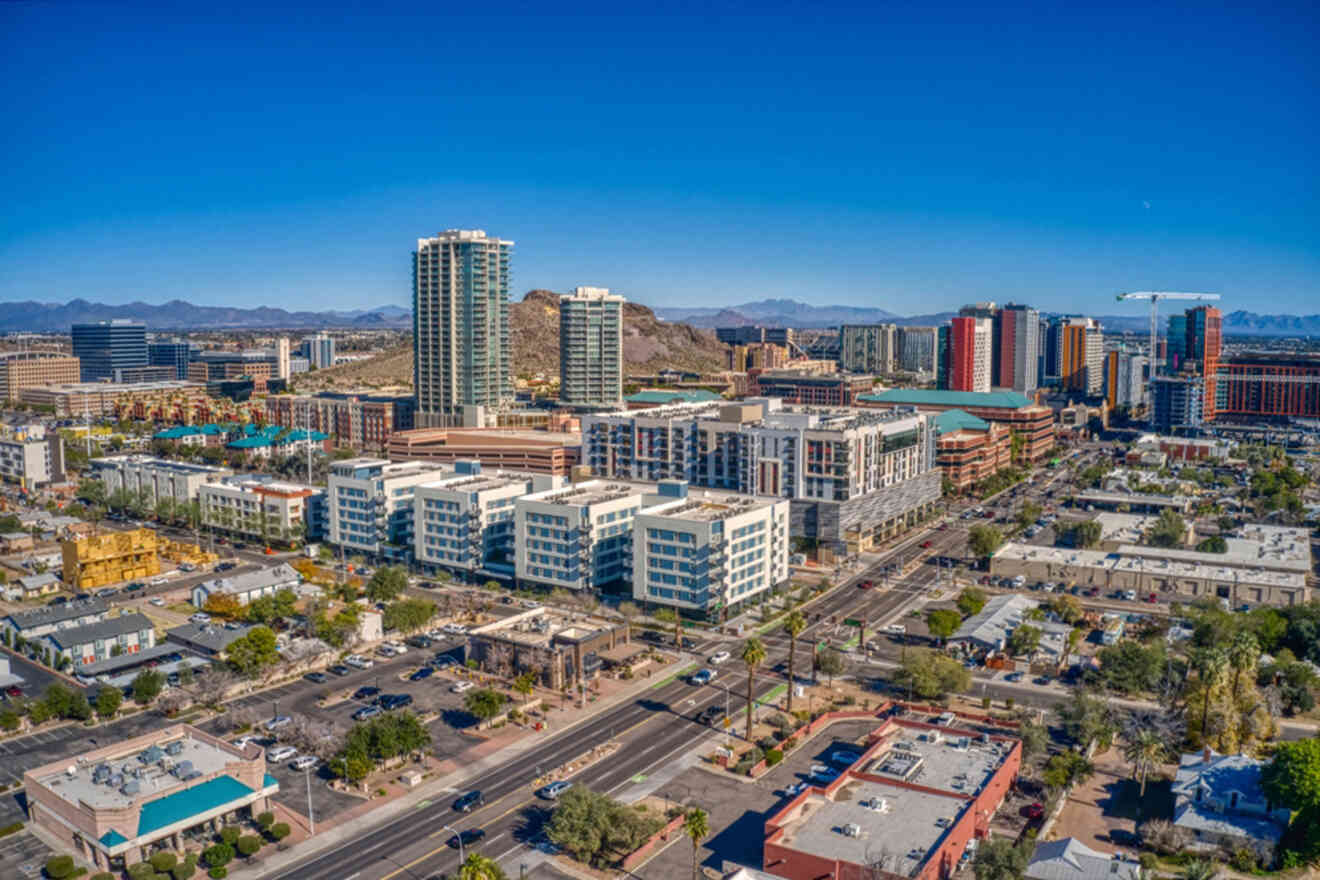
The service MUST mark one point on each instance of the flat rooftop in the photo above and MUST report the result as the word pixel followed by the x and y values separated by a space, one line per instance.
pixel 1159 562
pixel 105 788
pixel 889 816
pixel 1275 547
pixel 1180 501
pixel 953 761
pixel 540 626
pixel 700 508
pixel 477 482
pixel 586 494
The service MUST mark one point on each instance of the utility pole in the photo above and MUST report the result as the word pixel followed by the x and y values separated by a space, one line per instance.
pixel 311 817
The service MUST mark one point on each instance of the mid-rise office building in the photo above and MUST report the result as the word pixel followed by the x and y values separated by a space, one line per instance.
pixel 461 327
pixel 811 389
pixel 1176 402
pixel 576 537
pixel 105 346
pixel 591 348
pixel 157 478
pixel 464 522
pixel 1018 330
pixel 31 369
pixel 174 353
pixel 784 336
pixel 868 348
pixel 918 349
pixel 1030 421
pixel 971 345
pixel 853 477
pixel 319 349
pixel 371 505
pixel 709 553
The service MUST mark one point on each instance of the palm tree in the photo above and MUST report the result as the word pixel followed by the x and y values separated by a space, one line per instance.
pixel 794 624
pixel 1144 749
pixel 479 867
pixel 696 825
pixel 1199 869
pixel 1210 663
pixel 1243 657
pixel 753 654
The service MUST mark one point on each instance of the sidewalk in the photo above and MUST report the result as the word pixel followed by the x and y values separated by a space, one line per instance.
pixel 342 831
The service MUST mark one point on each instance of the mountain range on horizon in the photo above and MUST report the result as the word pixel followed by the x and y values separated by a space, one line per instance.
pixel 182 315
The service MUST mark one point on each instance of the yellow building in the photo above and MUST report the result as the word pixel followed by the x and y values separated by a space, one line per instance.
pixel 110 558
pixel 182 551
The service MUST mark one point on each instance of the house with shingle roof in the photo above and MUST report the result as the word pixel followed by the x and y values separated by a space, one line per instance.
pixel 1219 799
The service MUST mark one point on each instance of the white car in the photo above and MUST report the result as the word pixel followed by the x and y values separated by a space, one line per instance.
pixel 720 657
pixel 459 686
pixel 281 753
pixel 246 738
pixel 398 648
pixel 278 721
pixel 157 601
pixel 305 762
pixel 199 617
pixel 357 661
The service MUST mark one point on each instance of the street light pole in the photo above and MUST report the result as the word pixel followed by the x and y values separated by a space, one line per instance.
pixel 311 816
pixel 458 835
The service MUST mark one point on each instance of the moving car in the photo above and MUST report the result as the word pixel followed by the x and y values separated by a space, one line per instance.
pixel 466 803
pixel 554 790
pixel 702 676
pixel 157 601
pixel 720 657
pixel 710 715
pixel 467 837
pixel 865 585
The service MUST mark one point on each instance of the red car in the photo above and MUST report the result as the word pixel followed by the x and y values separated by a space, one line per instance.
pixel 13 691
pixel 865 585
pixel 1152 598
pixel 1034 811
pixel 925 544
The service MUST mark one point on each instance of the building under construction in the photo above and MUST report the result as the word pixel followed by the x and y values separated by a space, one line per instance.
pixel 111 558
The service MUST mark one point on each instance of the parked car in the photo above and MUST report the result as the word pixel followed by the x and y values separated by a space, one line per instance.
pixel 843 757
pixel 459 687
pixel 422 642
pixel 554 790
pixel 305 762
pixel 367 712
pixel 278 721
pixel 357 661
pixel 1014 676
pixel 106 592
pixel 925 545
pixel 1033 811
pixel 200 617
pixel 443 661
pixel 423 672
pixel 466 838
pixel 317 677
pixel 865 585
pixel 226 566
pixel 157 601
pixel 719 657
pixel 468 802
pixel 280 753
pixel 341 670
pixel 246 738
pixel 366 692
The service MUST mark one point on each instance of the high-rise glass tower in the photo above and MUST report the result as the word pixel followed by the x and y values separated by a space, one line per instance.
pixel 460 327
pixel 591 348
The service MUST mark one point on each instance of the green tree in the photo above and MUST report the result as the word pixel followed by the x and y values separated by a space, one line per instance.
pixel 998 859
pixel 595 829
pixel 1086 716
pixel 248 845
pixel 1067 608
pixel 943 622
pixel 794 624
pixel 1199 869
pixel 753 654
pixel 1085 534
pixel 59 867
pixel 1213 544
pixel 408 615
pixel 696 825
pixel 484 703
pixel 1035 739
pixel 1131 667
pixel 1029 513
pixel 108 701
pixel 984 540
pixel 970 601
pixel 1168 530
pixel 219 855
pixel 147 686
pixel 1292 778
pixel 524 684
pixel 387 584
pixel 829 663
pixel 1145 749
pixel 931 675
pixel 253 653
pixel 164 862
pixel 1024 640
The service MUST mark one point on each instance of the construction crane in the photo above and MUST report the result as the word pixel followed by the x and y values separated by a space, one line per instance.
pixel 1155 296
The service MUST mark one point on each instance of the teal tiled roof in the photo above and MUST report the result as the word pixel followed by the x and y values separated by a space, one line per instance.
pixel 926 397
pixel 113 838
pixel 183 805
pixel 958 420
pixel 693 395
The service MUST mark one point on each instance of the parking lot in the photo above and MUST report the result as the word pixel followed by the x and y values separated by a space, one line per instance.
pixel 22 855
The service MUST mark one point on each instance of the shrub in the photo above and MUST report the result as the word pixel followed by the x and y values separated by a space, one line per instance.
pixel 248 845
pixel 218 873
pixel 219 855
pixel 104 875
pixel 766 743
pixel 773 757
pixel 789 744
pixel 164 861
pixel 142 871
pixel 280 830
pixel 1163 836
pixel 59 867
pixel 266 819
pixel 183 870
pixel 229 834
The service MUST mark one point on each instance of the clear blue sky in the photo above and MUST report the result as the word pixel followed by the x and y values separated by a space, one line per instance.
pixel 912 157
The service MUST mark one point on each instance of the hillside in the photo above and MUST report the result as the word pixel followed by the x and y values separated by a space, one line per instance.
pixel 649 344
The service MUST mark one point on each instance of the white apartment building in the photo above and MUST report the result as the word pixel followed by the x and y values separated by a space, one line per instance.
pixel 708 552
pixel 32 461
pixel 264 508
pixel 157 477
pixel 371 505
pixel 465 522
pixel 591 348
pixel 577 537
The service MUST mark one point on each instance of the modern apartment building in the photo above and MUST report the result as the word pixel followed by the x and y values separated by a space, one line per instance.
pixel 30 369
pixel 359 420
pixel 319 349
pixel 157 477
pixel 1031 421
pixel 1177 402
pixel 709 553
pixel 371 505
pixel 1195 344
pixel 591 348
pixel 264 508
pixel 1018 330
pixel 105 346
pixel 98 399
pixel 1125 379
pixel 461 327
pixel 576 537
pixel 853 477
pixel 971 346
pixel 756 356
pixel 1267 386
pixel 32 460
pixel 868 348
pixel 918 349
pixel 1081 356
pixel 174 353
pixel 811 389
pixel 464 522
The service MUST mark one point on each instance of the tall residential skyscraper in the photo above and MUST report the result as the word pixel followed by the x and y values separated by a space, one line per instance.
pixel 1125 378
pixel 988 311
pixel 1081 356
pixel 282 358
pixel 970 348
pixel 107 346
pixel 1195 343
pixel 868 348
pixel 918 349
pixel 1018 330
pixel 591 348
pixel 460 327
pixel 319 350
